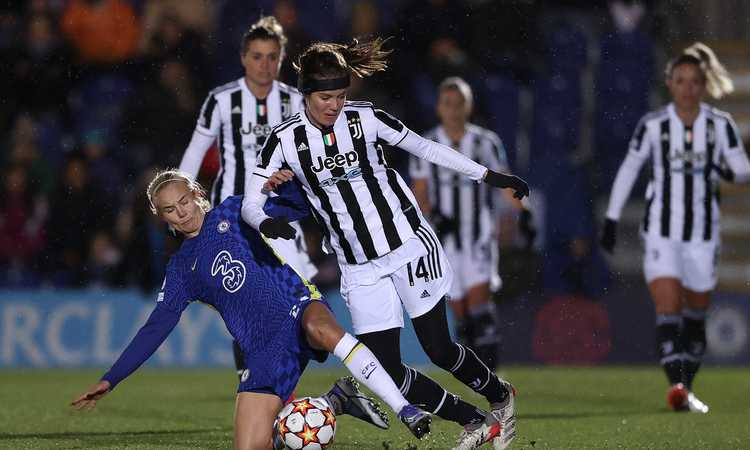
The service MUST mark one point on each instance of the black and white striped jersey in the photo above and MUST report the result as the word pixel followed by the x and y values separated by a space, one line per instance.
pixel 469 204
pixel 682 195
pixel 241 123
pixel 366 207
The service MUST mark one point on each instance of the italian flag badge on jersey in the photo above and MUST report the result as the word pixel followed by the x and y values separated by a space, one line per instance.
pixel 329 139
pixel 261 109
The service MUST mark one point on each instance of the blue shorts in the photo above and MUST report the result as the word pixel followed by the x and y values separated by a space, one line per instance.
pixel 277 369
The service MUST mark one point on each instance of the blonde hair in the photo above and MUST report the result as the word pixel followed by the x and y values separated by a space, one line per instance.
pixel 718 82
pixel 267 27
pixel 169 175
pixel 463 88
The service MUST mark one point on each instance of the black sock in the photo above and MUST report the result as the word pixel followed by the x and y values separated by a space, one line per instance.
pixel 239 357
pixel 419 389
pixel 693 343
pixel 471 371
pixel 669 346
pixel 432 330
pixel 485 339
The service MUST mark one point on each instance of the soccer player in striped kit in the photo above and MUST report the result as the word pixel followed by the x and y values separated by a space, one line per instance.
pixel 690 145
pixel 388 254
pixel 241 114
pixel 463 215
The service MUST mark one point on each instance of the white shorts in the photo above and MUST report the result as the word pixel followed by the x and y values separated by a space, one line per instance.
pixel 693 263
pixel 415 276
pixel 472 267
pixel 294 253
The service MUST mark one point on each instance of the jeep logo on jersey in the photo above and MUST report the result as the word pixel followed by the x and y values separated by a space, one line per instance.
pixel 347 159
pixel 232 271
pixel 258 129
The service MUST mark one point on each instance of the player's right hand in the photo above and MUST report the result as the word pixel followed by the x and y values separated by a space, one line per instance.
pixel 88 399
pixel 609 236
pixel 277 227
pixel 277 179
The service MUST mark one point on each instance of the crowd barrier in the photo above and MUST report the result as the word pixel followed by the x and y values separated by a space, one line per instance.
pixel 53 328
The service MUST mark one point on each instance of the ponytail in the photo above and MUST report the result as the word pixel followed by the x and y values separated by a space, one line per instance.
pixel 331 61
pixel 718 82
pixel 366 58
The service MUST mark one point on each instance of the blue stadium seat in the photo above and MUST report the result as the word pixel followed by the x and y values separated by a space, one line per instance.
pixel 567 47
pixel 98 103
pixel 623 84
pixel 499 96
pixel 555 128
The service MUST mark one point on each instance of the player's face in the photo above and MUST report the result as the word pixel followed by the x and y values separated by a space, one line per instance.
pixel 325 106
pixel 687 86
pixel 261 60
pixel 177 206
pixel 452 109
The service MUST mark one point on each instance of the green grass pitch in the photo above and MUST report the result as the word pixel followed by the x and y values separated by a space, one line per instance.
pixel 558 408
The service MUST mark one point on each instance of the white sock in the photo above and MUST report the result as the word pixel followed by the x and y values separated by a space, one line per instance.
pixel 367 370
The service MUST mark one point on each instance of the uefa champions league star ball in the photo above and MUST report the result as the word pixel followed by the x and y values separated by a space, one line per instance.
pixel 307 424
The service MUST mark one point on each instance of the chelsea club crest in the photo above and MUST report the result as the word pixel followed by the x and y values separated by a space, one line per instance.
pixel 223 226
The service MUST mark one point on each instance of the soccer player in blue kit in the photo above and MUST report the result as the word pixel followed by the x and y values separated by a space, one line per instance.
pixel 280 321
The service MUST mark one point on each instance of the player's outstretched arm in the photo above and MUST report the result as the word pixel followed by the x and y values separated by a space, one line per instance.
pixel 441 155
pixel 87 400
pixel 158 326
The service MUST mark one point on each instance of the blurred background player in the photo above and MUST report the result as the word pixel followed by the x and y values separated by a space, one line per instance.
pixel 463 215
pixel 280 321
pixel 241 114
pixel 689 144
pixel 388 255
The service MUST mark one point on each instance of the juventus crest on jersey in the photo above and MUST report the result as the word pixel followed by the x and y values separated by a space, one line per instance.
pixel 242 123
pixel 682 196
pixel 455 196
pixel 366 207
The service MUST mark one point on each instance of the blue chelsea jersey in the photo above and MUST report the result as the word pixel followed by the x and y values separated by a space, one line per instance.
pixel 230 267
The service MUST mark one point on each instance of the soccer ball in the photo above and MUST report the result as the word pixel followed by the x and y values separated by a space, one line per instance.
pixel 307 424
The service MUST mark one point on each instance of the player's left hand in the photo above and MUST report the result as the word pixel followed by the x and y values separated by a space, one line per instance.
pixel 277 179
pixel 88 399
pixel 608 238
pixel 500 180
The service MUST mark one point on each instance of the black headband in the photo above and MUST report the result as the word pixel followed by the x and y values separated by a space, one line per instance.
pixel 310 85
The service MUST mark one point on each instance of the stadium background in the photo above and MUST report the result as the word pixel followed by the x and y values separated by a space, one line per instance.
pixel 97 94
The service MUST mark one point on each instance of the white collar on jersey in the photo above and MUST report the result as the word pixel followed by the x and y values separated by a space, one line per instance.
pixel 243 85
